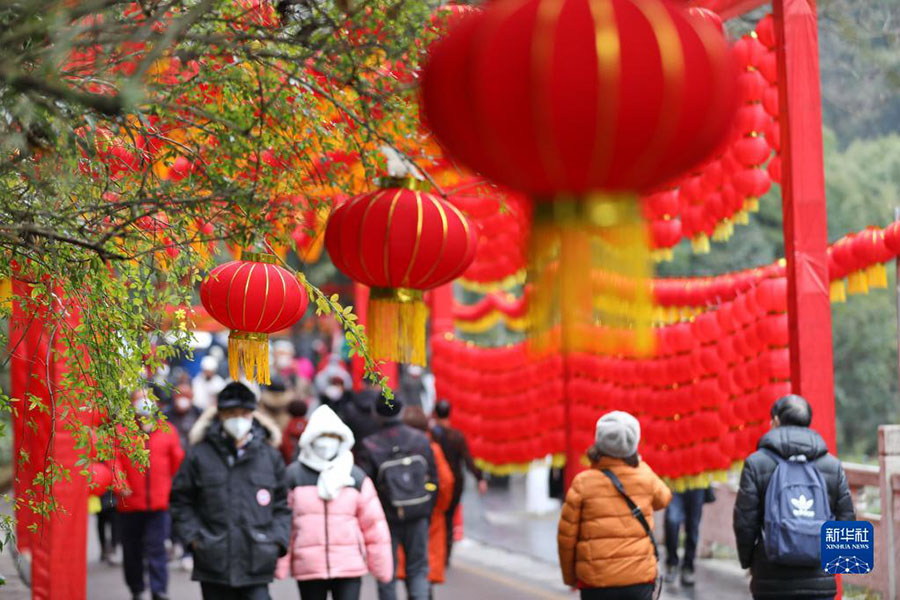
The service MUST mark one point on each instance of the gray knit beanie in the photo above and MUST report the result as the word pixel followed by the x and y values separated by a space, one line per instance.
pixel 618 434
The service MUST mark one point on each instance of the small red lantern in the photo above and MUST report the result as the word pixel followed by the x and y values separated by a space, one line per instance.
pixel 253 297
pixel 399 241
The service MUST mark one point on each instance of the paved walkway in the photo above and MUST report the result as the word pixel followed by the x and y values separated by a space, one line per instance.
pixel 508 554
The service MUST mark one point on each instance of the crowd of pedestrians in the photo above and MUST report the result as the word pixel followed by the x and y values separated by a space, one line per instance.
pixel 304 478
pixel 310 479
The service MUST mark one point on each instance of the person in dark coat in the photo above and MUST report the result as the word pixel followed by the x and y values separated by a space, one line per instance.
pixel 790 436
pixel 393 440
pixel 229 500
pixel 456 450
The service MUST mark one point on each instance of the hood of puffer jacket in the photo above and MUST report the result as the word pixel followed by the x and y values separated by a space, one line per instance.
pixel 261 423
pixel 788 440
pixel 322 421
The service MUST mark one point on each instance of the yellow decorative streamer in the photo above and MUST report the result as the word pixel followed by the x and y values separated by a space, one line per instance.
pixel 396 325
pixel 876 276
pixel 857 283
pixel 590 265
pixel 838 291
pixel 249 351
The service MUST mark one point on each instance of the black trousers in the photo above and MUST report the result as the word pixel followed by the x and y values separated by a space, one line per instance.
pixel 108 530
pixel 143 538
pixel 341 589
pixel 641 591
pixel 217 591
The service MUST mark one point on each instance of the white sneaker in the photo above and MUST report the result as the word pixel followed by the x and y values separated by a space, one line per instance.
pixel 187 563
pixel 115 557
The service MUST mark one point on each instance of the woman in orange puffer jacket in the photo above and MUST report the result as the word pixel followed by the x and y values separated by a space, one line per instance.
pixel 603 548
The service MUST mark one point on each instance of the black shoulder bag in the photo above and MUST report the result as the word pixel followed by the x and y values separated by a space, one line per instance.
pixel 639 515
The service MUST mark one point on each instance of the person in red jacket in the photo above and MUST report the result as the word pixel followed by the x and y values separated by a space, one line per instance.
pixel 144 502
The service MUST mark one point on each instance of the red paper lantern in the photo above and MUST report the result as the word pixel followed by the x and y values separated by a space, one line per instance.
pixel 892 237
pixel 765 31
pixel 522 94
pixel 253 297
pixel 665 234
pixel 771 295
pixel 751 151
pixel 870 248
pixel 101 478
pixel 399 242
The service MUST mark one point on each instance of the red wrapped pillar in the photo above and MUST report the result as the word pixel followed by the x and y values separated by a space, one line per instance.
pixel 805 229
pixel 58 545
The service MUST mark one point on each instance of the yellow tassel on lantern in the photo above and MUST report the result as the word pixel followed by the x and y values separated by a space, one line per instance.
pixel 723 231
pixel 590 264
pixel 249 351
pixel 742 217
pixel 751 205
pixel 396 325
pixel 876 276
pixel 857 283
pixel 662 255
pixel 838 291
pixel 700 244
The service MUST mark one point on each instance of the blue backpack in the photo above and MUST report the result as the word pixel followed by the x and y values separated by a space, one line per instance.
pixel 796 508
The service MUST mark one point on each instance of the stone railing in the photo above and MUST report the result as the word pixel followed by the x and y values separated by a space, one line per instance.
pixel 876 496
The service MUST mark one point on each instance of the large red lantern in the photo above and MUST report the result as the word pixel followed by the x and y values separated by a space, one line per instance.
pixel 399 241
pixel 253 297
pixel 582 105
pixel 574 96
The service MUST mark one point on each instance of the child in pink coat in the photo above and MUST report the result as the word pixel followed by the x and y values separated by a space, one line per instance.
pixel 339 532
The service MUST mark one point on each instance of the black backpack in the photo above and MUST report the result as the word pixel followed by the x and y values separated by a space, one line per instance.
pixel 402 481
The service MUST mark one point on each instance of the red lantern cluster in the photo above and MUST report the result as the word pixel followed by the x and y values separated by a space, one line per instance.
pixel 704 203
pixel 508 403
pixel 702 400
pixel 502 222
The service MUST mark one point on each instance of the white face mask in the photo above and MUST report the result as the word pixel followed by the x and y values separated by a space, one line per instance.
pixel 325 447
pixel 283 361
pixel 238 427
pixel 182 403
pixel 334 392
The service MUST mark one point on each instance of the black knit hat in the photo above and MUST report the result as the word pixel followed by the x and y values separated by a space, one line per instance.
pixel 236 395
pixel 388 408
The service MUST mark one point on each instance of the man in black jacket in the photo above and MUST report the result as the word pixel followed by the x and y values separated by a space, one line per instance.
pixel 456 451
pixel 390 457
pixel 229 501
pixel 790 436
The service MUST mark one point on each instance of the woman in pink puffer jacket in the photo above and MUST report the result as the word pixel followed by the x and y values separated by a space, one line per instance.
pixel 338 532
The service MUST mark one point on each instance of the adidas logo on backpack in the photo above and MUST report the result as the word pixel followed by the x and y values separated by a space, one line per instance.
pixel 802 506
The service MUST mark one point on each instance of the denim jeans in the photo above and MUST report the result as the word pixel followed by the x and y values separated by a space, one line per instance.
pixel 686 508
pixel 413 536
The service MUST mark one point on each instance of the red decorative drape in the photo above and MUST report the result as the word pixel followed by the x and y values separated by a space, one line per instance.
pixel 57 546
